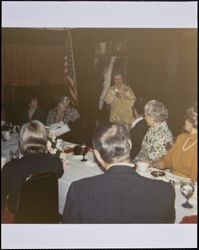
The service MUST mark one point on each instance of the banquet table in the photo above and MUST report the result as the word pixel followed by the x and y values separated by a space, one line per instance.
pixel 7 145
pixel 75 169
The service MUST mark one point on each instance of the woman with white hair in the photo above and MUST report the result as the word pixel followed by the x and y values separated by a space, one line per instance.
pixel 182 157
pixel 158 138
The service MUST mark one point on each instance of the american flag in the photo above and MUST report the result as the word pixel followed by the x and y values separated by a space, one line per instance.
pixel 69 70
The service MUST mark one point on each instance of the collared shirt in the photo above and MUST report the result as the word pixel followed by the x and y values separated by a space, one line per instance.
pixel 136 121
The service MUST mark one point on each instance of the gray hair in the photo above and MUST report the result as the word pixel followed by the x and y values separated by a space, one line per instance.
pixel 33 137
pixel 112 142
pixel 156 110
pixel 192 116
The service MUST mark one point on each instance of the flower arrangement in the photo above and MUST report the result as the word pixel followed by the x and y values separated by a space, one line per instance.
pixel 53 147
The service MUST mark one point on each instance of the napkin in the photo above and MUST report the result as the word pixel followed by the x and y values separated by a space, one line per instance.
pixel 68 150
pixel 3 161
pixel 59 128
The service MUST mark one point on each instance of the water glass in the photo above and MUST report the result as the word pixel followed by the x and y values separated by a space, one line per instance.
pixel 14 154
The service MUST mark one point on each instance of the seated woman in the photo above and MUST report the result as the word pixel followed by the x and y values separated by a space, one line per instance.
pixel 69 115
pixel 158 138
pixel 33 112
pixel 33 146
pixel 182 157
pixel 62 112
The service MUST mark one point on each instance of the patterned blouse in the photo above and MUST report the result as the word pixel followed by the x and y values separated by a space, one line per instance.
pixel 156 143
pixel 71 115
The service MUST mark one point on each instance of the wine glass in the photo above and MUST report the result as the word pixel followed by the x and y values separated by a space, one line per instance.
pixel 84 150
pixel 17 129
pixel 3 137
pixel 187 189
pixel 11 127
pixel 14 154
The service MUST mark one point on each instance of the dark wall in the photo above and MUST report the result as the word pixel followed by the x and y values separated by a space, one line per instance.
pixel 17 97
pixel 161 64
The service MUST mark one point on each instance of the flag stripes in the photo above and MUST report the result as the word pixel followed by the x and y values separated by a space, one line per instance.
pixel 69 70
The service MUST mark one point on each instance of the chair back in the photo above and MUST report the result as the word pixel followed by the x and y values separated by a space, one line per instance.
pixel 38 199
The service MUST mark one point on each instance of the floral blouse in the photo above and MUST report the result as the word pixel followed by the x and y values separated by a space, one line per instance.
pixel 156 143
pixel 71 115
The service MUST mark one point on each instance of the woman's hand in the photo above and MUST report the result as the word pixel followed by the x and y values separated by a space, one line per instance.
pixel 158 164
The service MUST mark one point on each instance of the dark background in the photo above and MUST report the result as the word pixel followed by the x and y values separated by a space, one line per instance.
pixel 161 64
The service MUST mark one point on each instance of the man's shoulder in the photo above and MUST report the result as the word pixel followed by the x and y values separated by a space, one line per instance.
pixel 159 185
pixel 87 181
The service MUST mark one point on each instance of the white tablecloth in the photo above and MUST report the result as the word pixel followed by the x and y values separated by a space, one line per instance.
pixel 76 169
pixel 179 199
pixel 10 144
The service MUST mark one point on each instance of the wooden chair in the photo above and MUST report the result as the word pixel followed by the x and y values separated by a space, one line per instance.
pixel 38 199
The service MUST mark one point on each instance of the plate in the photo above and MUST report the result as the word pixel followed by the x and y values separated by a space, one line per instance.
pixel 158 173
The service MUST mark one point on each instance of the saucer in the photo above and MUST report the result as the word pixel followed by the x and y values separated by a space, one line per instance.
pixel 158 173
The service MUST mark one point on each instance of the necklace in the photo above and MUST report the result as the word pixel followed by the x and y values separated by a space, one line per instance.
pixel 184 148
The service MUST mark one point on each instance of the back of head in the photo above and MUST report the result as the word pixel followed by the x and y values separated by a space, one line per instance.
pixel 139 105
pixel 112 141
pixel 33 137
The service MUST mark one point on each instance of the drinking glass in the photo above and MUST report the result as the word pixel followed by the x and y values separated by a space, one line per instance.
pixel 3 137
pixel 14 154
pixel 18 128
pixel 84 150
pixel 11 127
pixel 187 189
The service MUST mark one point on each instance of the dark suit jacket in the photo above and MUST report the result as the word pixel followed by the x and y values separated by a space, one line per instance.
pixel 119 196
pixel 15 172
pixel 137 134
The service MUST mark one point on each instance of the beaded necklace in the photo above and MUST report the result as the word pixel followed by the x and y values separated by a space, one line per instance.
pixel 184 148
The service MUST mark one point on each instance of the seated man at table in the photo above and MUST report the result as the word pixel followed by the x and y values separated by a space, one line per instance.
pixel 120 195
pixel 33 112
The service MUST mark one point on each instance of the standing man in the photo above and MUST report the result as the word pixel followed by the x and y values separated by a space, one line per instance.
pixel 121 99
pixel 120 195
